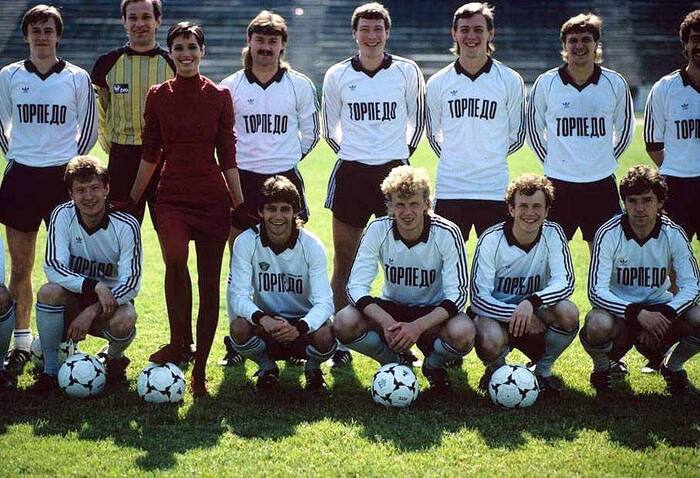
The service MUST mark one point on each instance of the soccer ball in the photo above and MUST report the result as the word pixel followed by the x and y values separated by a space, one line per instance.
pixel 161 383
pixel 513 386
pixel 394 385
pixel 65 350
pixel 82 375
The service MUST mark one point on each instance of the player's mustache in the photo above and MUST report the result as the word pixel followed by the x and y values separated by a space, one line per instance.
pixel 265 52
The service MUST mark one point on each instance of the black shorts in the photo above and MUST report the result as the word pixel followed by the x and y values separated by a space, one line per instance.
pixel 408 313
pixel 246 215
pixel 354 192
pixel 584 205
pixel 466 213
pixel 124 161
pixel 29 195
pixel 682 204
pixel 532 345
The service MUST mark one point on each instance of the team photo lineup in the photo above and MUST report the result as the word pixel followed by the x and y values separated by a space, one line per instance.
pixel 218 165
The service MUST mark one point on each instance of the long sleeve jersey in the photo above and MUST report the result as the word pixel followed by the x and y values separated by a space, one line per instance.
pixel 122 78
pixel 290 281
pixel 46 119
pixel 473 124
pixel 627 272
pixel 504 273
pixel 672 124
pixel 78 258
pixel 277 123
pixel 430 272
pixel 373 117
pixel 579 132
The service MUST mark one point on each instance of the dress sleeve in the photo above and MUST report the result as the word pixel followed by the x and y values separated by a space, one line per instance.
pixel 151 136
pixel 225 135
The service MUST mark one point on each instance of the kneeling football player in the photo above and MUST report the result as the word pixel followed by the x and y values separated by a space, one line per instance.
pixel 93 265
pixel 522 276
pixel 425 290
pixel 629 287
pixel 279 297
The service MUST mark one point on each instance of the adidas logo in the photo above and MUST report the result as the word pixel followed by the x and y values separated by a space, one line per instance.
pixel 251 101
pixel 454 92
pixel 25 89
pixel 353 87
pixel 566 104
pixel 684 106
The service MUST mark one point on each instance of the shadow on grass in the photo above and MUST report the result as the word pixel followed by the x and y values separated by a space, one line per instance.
pixel 636 422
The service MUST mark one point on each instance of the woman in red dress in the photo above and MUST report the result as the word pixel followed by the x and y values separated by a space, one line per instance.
pixel 186 119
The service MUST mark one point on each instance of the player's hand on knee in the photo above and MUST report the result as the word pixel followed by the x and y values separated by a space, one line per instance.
pixel 287 333
pixel 405 335
pixel 647 339
pixel 107 300
pixel 271 325
pixel 78 328
pixel 535 325
pixel 654 322
pixel 520 318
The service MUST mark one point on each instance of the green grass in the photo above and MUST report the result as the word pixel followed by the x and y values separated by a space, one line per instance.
pixel 643 433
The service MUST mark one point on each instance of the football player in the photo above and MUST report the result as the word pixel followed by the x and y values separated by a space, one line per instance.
pixel 672 131
pixel 629 286
pixel 47 116
pixel 373 113
pixel 279 297
pixel 276 125
pixel 522 278
pixel 93 266
pixel 479 98
pixel 580 120
pixel 424 263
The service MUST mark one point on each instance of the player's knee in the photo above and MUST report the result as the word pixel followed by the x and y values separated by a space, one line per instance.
pixel 51 294
pixel 489 342
pixel 599 327
pixel 460 332
pixel 346 324
pixel 323 338
pixel 241 330
pixel 567 316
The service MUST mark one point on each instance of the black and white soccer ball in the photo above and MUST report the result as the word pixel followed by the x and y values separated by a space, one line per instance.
pixel 394 385
pixel 65 350
pixel 82 375
pixel 161 383
pixel 513 386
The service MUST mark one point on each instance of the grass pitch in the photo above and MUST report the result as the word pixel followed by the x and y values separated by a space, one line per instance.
pixel 643 433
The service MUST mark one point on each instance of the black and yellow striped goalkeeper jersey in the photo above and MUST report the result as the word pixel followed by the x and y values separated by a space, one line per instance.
pixel 123 77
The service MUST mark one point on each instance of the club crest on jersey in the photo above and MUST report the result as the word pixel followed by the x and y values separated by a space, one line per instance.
pixel 684 106
pixel 120 88
pixel 264 265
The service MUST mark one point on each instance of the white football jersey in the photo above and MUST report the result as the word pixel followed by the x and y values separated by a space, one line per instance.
pixel 374 117
pixel 672 124
pixel 292 282
pixel 504 274
pixel 276 123
pixel 473 123
pixel 77 258
pixel 431 271
pixel 626 271
pixel 46 120
pixel 579 132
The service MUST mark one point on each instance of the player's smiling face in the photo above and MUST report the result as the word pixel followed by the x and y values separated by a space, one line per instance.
pixel 692 47
pixel 186 54
pixel 278 218
pixel 90 198
pixel 42 39
pixel 371 36
pixel 409 213
pixel 642 210
pixel 580 48
pixel 140 24
pixel 528 213
pixel 266 49
pixel 472 36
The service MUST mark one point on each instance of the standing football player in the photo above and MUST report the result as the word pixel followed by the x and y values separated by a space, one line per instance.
pixel 672 131
pixel 373 107
pixel 629 286
pixel 580 120
pixel 522 277
pixel 279 298
pixel 47 116
pixel 93 266
pixel 481 99
pixel 424 263
pixel 277 122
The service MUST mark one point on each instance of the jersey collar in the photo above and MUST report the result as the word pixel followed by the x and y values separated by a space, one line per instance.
pixel 275 79
pixel 104 223
pixel 512 241
pixel 631 236
pixel 568 80
pixel 357 66
pixel 156 50
pixel 57 68
pixel 423 235
pixel 687 81
pixel 484 69
pixel 265 240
